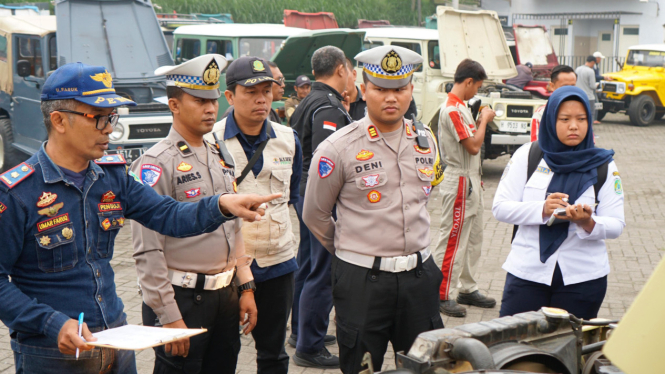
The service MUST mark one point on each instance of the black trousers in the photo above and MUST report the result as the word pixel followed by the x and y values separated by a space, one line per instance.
pixel 375 307
pixel 215 351
pixel 274 298
pixel 583 300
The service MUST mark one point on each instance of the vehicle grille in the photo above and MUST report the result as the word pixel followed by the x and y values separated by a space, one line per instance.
pixel 610 87
pixel 520 111
pixel 157 130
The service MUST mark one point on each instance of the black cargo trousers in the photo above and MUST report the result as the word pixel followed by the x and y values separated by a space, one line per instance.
pixel 374 307
pixel 215 351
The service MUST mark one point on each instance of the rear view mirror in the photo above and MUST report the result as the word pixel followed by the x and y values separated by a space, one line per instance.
pixel 23 68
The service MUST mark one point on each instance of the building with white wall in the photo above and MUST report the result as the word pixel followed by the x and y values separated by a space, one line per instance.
pixel 577 28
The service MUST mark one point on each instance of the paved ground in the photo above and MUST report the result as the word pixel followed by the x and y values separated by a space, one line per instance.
pixel 633 256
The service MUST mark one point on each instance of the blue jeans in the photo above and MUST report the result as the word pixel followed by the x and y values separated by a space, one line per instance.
pixel 99 360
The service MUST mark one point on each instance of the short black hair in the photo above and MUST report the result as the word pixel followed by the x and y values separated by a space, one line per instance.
pixel 560 69
pixel 325 61
pixel 350 63
pixel 173 92
pixel 469 69
pixel 591 58
pixel 232 87
pixel 272 64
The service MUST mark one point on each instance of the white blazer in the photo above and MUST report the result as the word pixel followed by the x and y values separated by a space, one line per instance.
pixel 582 256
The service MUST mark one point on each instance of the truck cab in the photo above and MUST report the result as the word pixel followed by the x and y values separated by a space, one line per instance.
pixel 291 48
pixel 639 88
pixel 460 35
pixel 95 33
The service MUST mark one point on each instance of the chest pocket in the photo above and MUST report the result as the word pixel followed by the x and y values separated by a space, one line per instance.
pixel 280 179
pixel 110 224
pixel 191 192
pixel 536 187
pixel 56 249
pixel 373 194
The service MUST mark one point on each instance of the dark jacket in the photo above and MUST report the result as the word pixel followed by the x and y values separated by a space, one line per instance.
pixel 319 114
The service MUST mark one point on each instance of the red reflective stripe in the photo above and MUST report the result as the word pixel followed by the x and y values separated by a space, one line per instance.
pixel 461 128
pixel 453 239
pixel 535 125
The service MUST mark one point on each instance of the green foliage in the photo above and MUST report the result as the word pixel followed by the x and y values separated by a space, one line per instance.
pixel 347 12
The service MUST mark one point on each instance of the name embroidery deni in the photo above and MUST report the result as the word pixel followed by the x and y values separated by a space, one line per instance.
pixel 53 222
pixel 368 166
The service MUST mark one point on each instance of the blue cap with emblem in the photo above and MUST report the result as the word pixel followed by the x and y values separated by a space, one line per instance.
pixel 389 66
pixel 198 77
pixel 92 85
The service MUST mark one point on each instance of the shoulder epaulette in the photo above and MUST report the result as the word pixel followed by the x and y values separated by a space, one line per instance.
pixel 115 159
pixel 183 147
pixel 15 175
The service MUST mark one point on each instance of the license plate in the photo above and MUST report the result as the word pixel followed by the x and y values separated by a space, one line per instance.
pixel 513 126
pixel 130 154
pixel 598 106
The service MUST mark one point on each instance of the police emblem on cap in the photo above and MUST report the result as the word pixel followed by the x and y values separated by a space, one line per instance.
pixel 391 63
pixel 104 77
pixel 257 65
pixel 211 73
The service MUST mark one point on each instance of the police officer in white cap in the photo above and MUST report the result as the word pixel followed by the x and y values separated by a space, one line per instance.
pixel 188 282
pixel 378 172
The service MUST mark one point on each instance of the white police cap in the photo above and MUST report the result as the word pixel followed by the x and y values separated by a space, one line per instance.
pixel 389 66
pixel 198 77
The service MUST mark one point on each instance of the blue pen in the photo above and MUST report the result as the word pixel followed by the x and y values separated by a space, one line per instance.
pixel 80 330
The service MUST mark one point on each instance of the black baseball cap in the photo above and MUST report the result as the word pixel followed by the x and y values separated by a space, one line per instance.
pixel 248 71
pixel 302 80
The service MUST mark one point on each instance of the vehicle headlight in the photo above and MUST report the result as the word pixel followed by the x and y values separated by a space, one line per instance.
pixel 118 132
pixel 500 110
pixel 621 87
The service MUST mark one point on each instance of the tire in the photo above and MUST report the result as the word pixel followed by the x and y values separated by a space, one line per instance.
pixel 642 111
pixel 9 156
pixel 601 114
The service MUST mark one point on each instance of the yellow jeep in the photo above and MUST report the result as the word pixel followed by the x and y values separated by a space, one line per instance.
pixel 639 88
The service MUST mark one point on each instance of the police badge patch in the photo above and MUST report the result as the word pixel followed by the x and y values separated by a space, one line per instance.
pixel 427 190
pixel 326 167
pixel 371 180
pixel 150 174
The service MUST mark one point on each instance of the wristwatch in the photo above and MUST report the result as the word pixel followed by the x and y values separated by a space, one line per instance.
pixel 249 286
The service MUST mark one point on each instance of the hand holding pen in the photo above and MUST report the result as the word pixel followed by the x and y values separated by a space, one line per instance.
pixel 69 339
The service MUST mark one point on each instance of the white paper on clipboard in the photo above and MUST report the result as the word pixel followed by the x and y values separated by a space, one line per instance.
pixel 135 337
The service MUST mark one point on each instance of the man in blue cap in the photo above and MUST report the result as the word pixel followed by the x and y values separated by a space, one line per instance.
pixel 62 210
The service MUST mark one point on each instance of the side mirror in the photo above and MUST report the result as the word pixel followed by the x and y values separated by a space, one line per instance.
pixel 23 68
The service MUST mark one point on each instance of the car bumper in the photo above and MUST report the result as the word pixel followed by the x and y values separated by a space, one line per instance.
pixel 502 139
pixel 613 105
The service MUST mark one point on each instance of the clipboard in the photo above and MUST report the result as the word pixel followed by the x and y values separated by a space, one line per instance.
pixel 137 337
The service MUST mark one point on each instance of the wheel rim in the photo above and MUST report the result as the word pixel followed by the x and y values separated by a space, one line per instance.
pixel 647 111
pixel 2 153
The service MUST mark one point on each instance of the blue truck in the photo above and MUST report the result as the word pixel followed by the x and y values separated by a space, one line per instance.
pixel 122 35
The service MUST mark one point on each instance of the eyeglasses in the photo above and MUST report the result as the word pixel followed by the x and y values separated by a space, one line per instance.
pixel 281 81
pixel 101 119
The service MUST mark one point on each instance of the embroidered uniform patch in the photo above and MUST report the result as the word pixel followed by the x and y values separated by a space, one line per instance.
pixel 53 222
pixel 150 174
pixel 373 133
pixel 51 211
pixel 133 175
pixel 364 155
pixel 46 199
pixel 426 172
pixel 108 197
pixel 2 208
pixel 183 166
pixel 109 207
pixel 371 180
pixel 326 167
pixel 408 130
pixel 422 150
pixel 374 196
pixel 427 190
pixel 616 174
pixel 332 126
pixel 618 188
pixel 194 192
pixel 544 170
pixel 106 224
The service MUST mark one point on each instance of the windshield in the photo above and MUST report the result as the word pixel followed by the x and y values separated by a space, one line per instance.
pixel 264 48
pixel 646 58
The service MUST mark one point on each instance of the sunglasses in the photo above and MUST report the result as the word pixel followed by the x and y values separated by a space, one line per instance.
pixel 101 119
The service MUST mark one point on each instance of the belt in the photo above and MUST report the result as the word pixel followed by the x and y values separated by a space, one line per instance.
pixel 396 264
pixel 213 282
